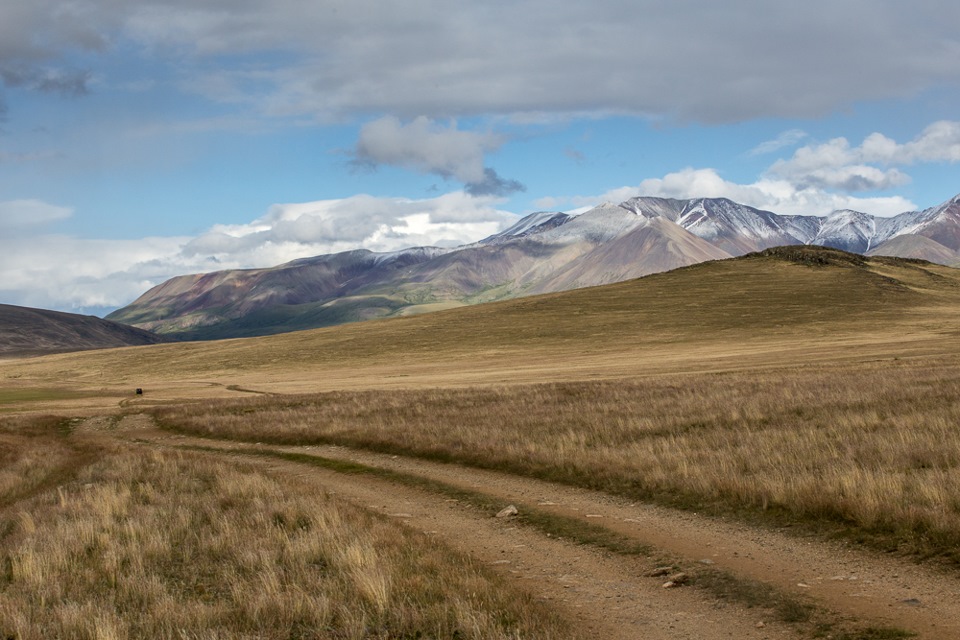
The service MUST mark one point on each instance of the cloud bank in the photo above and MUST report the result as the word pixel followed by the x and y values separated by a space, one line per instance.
pixel 442 58
pixel 868 167
pixel 95 276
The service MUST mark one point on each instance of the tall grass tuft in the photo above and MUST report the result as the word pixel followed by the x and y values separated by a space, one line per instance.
pixel 165 545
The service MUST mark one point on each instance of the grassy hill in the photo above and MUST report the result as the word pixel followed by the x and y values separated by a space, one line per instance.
pixel 803 304
pixel 26 331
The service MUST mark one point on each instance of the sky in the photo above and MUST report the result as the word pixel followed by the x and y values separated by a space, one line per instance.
pixel 140 140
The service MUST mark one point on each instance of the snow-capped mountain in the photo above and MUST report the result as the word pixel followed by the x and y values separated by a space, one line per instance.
pixel 542 252
pixel 847 230
pixel 733 227
pixel 739 229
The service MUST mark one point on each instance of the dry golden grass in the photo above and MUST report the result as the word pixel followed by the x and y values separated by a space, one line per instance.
pixel 35 454
pixel 872 446
pixel 745 313
pixel 759 386
pixel 168 545
pixel 760 383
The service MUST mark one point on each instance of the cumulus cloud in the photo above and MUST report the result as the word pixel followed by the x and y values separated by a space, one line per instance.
pixel 493 185
pixel 779 196
pixel 74 274
pixel 380 224
pixel 836 164
pixel 86 275
pixel 939 142
pixel 428 147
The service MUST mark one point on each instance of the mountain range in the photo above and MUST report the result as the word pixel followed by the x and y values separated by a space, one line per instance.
pixel 543 252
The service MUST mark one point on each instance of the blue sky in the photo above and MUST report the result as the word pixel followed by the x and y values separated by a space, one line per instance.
pixel 143 140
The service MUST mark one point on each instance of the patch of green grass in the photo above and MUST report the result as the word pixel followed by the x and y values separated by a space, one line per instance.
pixel 874 633
pixel 751 593
pixel 19 396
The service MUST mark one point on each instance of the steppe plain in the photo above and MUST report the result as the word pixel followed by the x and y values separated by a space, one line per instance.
pixel 777 435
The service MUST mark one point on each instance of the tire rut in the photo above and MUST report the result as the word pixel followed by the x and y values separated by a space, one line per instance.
pixel 852 582
pixel 603 594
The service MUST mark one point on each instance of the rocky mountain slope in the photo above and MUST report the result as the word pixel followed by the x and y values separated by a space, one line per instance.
pixel 25 331
pixel 543 252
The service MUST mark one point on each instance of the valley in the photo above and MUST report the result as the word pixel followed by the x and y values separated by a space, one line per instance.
pixel 779 428
pixel 479 320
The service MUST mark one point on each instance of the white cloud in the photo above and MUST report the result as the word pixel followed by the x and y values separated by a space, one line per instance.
pixel 785 139
pixel 75 274
pixel 836 164
pixel 380 224
pixel 779 196
pixel 940 142
pixel 20 214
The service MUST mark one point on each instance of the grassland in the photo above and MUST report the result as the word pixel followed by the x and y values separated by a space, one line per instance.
pixel 151 544
pixel 36 455
pixel 803 381
pixel 745 314
pixel 872 447
pixel 802 387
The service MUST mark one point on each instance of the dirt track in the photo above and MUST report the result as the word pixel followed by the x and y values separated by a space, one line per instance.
pixel 611 596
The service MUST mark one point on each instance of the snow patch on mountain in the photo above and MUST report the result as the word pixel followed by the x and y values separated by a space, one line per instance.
pixel 533 223
pixel 600 224
pixel 419 253
pixel 848 230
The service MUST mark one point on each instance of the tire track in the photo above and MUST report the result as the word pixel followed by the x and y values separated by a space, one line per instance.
pixel 605 595
pixel 852 582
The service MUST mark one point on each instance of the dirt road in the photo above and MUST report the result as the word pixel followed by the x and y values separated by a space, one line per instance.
pixel 613 596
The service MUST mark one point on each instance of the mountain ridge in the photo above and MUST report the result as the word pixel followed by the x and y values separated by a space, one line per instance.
pixel 541 253
pixel 25 331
